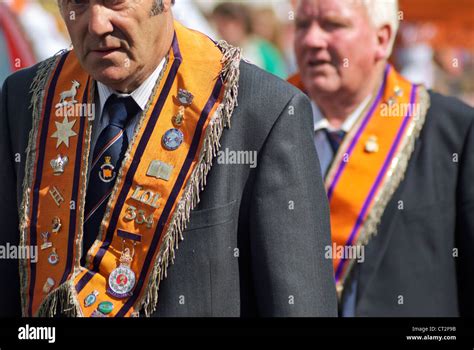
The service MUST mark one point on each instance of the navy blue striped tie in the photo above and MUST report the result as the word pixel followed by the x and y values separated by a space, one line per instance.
pixel 106 161
pixel 335 138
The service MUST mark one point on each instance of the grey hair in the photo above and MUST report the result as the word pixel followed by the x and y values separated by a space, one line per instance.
pixel 383 12
pixel 158 7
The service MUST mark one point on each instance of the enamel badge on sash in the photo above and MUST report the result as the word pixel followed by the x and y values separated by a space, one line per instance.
pixel 122 279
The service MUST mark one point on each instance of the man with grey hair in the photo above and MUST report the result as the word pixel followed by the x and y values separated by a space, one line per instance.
pixel 398 166
pixel 108 196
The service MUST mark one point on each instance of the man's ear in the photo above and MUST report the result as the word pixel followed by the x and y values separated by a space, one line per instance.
pixel 384 36
pixel 167 5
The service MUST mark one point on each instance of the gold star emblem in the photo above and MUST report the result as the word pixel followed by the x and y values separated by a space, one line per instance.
pixel 64 132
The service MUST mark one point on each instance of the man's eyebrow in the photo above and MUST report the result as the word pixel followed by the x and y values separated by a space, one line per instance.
pixel 333 17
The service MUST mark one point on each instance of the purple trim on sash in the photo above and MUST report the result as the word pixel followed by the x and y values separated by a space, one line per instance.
pixel 39 174
pixel 354 140
pixel 174 194
pixel 379 179
pixel 74 195
pixel 134 165
pixel 129 235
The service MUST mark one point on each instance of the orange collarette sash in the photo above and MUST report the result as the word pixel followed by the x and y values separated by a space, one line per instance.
pixel 370 164
pixel 156 186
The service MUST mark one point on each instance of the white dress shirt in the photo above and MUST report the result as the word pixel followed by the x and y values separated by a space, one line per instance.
pixel 321 141
pixel 140 95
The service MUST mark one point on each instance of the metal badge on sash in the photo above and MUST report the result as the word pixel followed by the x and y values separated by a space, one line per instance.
pixel 172 139
pixel 48 285
pixel 46 243
pixel 178 119
pixel 372 145
pixel 56 224
pixel 122 279
pixel 160 170
pixel 53 258
pixel 185 98
pixel 71 93
pixel 91 298
pixel 56 195
pixel 64 132
pixel 58 164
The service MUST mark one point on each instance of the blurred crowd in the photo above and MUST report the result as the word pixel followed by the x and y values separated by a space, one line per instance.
pixel 439 54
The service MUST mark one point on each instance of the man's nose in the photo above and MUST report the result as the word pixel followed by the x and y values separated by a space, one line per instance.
pixel 99 21
pixel 315 37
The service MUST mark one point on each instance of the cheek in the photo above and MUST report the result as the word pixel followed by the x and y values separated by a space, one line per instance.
pixel 357 47
pixel 298 48
pixel 299 44
pixel 75 29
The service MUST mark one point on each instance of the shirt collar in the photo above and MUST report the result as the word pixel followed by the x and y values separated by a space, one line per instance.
pixel 140 95
pixel 320 122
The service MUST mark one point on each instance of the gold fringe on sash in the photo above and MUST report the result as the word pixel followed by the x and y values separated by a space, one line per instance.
pixel 37 90
pixel 220 120
pixel 395 175
pixel 63 296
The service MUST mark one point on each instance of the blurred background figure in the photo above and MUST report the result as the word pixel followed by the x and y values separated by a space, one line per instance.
pixel 190 14
pixel 15 49
pixel 30 31
pixel 435 45
pixel 276 29
pixel 41 24
pixel 235 24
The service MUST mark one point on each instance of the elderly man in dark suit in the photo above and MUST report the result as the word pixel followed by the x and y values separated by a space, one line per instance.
pixel 106 153
pixel 398 166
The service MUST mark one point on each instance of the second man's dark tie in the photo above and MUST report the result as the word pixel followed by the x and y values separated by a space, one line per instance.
pixel 335 138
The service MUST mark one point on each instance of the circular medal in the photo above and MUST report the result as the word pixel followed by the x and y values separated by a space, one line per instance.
pixel 106 307
pixel 121 282
pixel 172 139
pixel 91 298
pixel 53 258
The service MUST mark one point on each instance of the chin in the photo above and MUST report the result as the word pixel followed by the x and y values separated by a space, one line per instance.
pixel 111 75
pixel 322 85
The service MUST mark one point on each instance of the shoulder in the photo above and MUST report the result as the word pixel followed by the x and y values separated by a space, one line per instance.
pixel 450 109
pixel 448 120
pixel 20 81
pixel 266 103
pixel 15 102
pixel 268 85
pixel 266 94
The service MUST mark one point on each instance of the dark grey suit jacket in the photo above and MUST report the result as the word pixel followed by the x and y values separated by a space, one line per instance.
pixel 421 263
pixel 255 243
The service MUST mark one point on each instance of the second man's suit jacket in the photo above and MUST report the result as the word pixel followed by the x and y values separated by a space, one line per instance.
pixel 421 262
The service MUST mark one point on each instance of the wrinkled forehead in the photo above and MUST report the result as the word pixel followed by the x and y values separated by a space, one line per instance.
pixel 322 8
pixel 132 3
